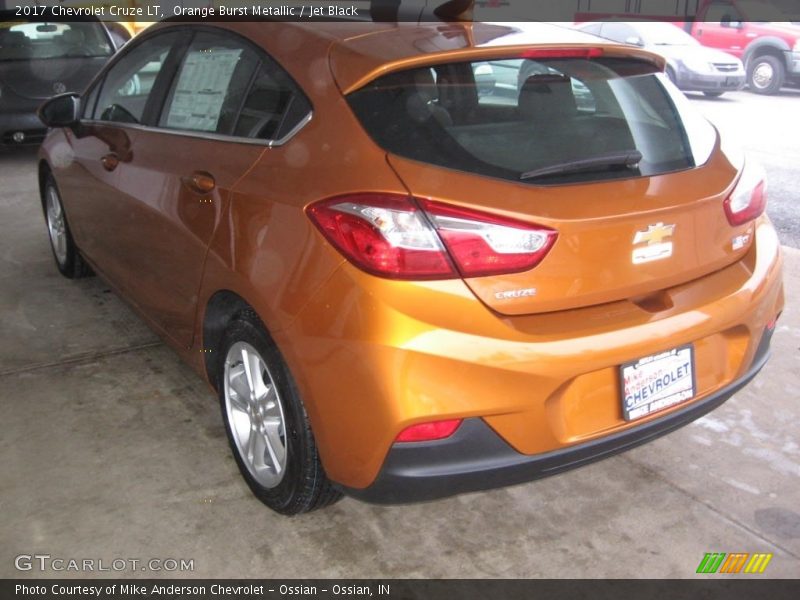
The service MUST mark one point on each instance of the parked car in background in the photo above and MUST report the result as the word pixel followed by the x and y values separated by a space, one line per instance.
pixel 762 36
pixel 401 285
pixel 40 59
pixel 691 66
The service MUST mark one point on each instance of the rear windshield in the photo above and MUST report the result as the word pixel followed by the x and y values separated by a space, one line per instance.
pixel 544 121
pixel 36 41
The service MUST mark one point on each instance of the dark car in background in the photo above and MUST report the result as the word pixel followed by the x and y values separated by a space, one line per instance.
pixel 691 66
pixel 40 59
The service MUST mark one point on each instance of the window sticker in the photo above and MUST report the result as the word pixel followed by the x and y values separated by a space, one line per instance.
pixel 202 85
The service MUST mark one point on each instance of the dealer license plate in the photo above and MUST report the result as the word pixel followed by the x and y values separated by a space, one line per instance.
pixel 657 382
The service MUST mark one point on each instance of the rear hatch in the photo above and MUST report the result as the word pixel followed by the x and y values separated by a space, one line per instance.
pixel 596 147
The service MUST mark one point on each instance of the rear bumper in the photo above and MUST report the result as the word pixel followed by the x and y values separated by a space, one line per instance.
pixel 372 357
pixel 475 458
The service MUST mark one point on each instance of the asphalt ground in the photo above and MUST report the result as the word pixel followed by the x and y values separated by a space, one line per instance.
pixel 112 448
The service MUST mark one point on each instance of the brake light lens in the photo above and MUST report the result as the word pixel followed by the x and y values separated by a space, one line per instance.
pixel 563 53
pixel 428 432
pixel 385 235
pixel 773 323
pixel 749 199
pixel 483 244
pixel 391 236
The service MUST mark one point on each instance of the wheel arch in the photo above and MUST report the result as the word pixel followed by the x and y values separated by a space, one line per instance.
pixel 222 307
pixel 772 46
pixel 43 171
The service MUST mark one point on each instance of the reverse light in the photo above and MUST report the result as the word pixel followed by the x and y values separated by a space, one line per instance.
pixel 428 432
pixel 749 198
pixel 391 236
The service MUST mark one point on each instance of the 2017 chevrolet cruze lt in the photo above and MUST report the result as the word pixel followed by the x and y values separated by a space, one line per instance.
pixel 403 278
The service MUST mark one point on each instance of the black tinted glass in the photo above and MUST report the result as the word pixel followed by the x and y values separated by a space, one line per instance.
pixel 510 117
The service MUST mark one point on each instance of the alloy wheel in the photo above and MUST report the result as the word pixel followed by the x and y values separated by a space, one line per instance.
pixel 56 225
pixel 255 414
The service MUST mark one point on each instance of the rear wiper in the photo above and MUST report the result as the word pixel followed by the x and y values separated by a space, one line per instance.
pixel 628 158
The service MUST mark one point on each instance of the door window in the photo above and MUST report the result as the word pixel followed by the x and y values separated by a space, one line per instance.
pixel 226 87
pixel 129 83
pixel 211 84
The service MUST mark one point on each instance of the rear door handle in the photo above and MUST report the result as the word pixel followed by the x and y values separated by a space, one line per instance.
pixel 201 182
pixel 110 161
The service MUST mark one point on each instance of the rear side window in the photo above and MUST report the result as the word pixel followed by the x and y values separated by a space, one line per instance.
pixel 273 106
pixel 555 120
pixel 226 87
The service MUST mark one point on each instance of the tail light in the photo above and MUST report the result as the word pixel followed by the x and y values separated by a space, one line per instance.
pixel 483 244
pixel 773 323
pixel 391 236
pixel 383 234
pixel 428 432
pixel 749 199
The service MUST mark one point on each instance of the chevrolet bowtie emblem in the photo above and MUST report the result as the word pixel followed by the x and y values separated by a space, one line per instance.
pixel 655 234
pixel 657 248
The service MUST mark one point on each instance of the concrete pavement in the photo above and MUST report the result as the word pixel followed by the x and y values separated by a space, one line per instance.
pixel 112 448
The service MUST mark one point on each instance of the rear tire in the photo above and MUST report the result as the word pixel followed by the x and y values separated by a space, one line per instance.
pixel 68 258
pixel 765 74
pixel 266 423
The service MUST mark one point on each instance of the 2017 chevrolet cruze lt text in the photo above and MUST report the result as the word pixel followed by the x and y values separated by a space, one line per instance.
pixel 405 276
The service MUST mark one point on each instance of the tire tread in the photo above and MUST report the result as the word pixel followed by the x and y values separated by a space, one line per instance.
pixel 313 490
pixel 75 266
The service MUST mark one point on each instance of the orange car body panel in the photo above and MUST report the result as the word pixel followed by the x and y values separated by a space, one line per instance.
pixel 372 356
pixel 543 382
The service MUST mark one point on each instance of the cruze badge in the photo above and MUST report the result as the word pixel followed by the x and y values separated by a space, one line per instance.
pixel 656 248
pixel 514 294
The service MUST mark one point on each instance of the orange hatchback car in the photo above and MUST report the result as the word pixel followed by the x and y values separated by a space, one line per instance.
pixel 417 260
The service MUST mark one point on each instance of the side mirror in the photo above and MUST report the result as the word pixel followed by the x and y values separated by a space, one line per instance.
pixel 61 111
